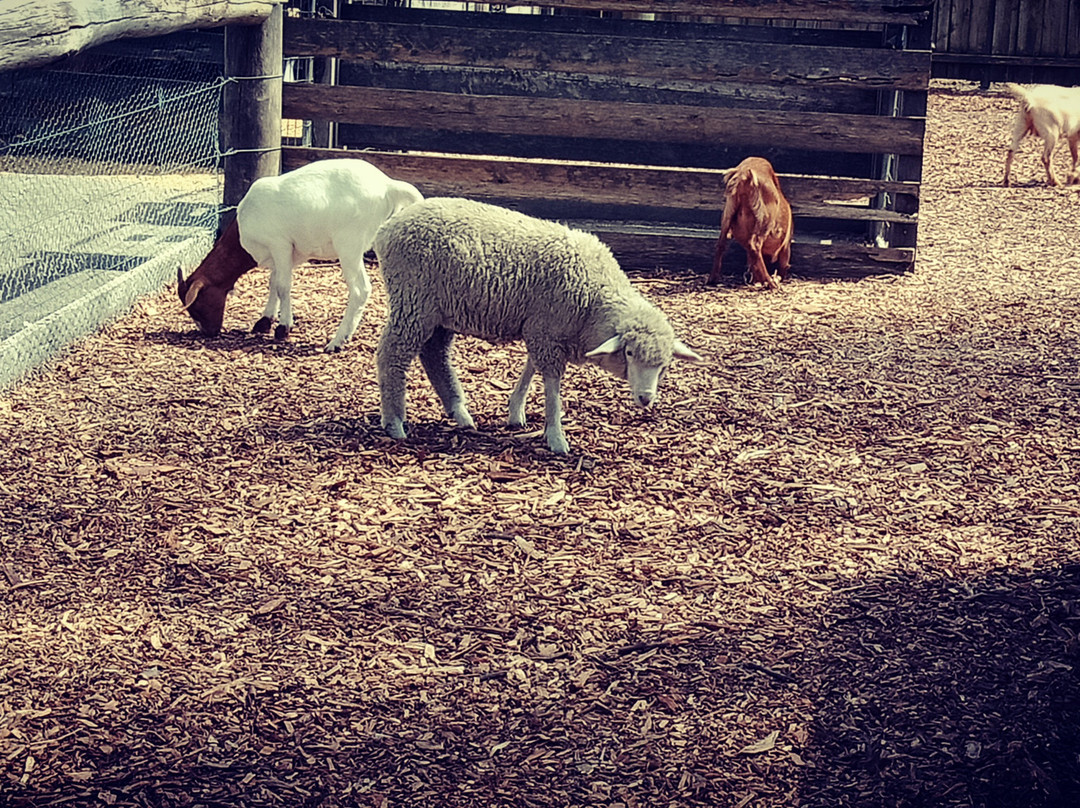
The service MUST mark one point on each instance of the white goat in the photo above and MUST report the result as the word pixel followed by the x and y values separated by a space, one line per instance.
pixel 1050 112
pixel 329 209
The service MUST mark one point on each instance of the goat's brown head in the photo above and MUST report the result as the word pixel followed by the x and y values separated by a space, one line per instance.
pixel 203 301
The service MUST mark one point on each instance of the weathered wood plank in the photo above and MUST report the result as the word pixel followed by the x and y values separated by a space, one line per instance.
pixel 832 132
pixel 690 60
pixel 648 247
pixel 34 33
pixel 610 184
pixel 839 11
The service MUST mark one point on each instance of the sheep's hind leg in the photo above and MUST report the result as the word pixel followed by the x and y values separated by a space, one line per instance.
pixel 521 391
pixel 392 359
pixel 435 357
pixel 359 284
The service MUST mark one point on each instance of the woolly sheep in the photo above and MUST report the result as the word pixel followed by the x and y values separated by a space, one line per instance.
pixel 328 209
pixel 455 266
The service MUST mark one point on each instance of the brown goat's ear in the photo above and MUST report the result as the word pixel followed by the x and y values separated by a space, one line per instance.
pixel 193 292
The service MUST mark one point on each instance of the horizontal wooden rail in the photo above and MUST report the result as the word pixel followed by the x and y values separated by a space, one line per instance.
pixel 652 123
pixel 839 11
pixel 696 60
pixel 610 184
pixel 640 246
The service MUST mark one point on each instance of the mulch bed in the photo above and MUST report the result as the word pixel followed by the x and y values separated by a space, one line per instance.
pixel 837 566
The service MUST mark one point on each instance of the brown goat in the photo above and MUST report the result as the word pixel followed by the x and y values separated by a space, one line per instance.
pixel 203 293
pixel 758 217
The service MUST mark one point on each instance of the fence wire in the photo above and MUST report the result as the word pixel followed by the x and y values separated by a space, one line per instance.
pixel 107 184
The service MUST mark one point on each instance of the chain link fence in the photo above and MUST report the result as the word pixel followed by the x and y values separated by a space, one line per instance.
pixel 108 182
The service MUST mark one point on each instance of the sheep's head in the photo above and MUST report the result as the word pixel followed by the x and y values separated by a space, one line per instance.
pixel 203 301
pixel 642 358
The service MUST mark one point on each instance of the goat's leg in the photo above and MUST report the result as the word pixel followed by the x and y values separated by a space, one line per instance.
pixel 755 262
pixel 359 285
pixel 1021 128
pixel 1074 146
pixel 263 324
pixel 1050 138
pixel 783 259
pixel 517 398
pixel 721 248
pixel 435 357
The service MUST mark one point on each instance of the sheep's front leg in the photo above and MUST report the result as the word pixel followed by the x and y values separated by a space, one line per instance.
pixel 435 357
pixel 359 285
pixel 521 391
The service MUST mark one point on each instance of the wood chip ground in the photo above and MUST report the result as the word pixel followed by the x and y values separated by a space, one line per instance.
pixel 837 566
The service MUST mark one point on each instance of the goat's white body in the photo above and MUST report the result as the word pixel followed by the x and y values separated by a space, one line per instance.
pixel 1052 113
pixel 329 209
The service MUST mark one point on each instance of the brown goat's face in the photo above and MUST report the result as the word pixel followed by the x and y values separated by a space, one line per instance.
pixel 208 308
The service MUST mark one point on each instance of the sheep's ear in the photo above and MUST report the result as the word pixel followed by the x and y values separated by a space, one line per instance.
pixel 681 351
pixel 608 347
pixel 193 292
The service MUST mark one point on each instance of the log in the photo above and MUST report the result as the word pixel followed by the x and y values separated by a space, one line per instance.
pixel 34 33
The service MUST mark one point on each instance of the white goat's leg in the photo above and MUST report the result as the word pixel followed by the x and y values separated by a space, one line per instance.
pixel 359 285
pixel 262 325
pixel 1050 138
pixel 521 392
pixel 281 277
pixel 435 357
pixel 553 430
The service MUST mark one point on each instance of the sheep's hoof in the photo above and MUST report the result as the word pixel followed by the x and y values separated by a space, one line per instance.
pixel 333 347
pixel 262 326
pixel 394 429
pixel 557 442
pixel 281 332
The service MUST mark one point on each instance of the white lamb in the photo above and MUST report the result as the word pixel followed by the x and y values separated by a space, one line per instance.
pixel 454 266
pixel 328 209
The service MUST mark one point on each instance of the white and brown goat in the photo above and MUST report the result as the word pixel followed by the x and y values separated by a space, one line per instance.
pixel 328 209
pixel 757 216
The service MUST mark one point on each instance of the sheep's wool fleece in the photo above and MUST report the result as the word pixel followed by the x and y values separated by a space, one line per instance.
pixel 494 273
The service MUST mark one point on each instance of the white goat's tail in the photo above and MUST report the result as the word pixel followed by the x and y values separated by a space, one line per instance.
pixel 401 195
pixel 1020 93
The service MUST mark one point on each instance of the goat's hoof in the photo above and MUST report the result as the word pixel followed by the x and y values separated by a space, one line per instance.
pixel 281 332
pixel 262 326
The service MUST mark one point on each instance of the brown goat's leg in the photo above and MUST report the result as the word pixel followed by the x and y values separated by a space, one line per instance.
pixel 784 259
pixel 262 325
pixel 756 265
pixel 721 248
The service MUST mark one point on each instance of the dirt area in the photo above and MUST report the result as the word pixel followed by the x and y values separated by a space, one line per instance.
pixel 837 566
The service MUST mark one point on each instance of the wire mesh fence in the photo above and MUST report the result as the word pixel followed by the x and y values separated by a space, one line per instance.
pixel 108 182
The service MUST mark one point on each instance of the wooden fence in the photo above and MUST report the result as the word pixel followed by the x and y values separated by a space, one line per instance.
pixel 625 126
pixel 1016 40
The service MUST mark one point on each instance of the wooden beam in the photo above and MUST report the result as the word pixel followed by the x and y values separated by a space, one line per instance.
pixel 36 33
pixel 511 179
pixel 251 119
pixel 652 123
pixel 649 247
pixel 841 11
pixel 697 60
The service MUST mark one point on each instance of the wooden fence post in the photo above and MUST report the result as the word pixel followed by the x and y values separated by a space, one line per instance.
pixel 251 114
